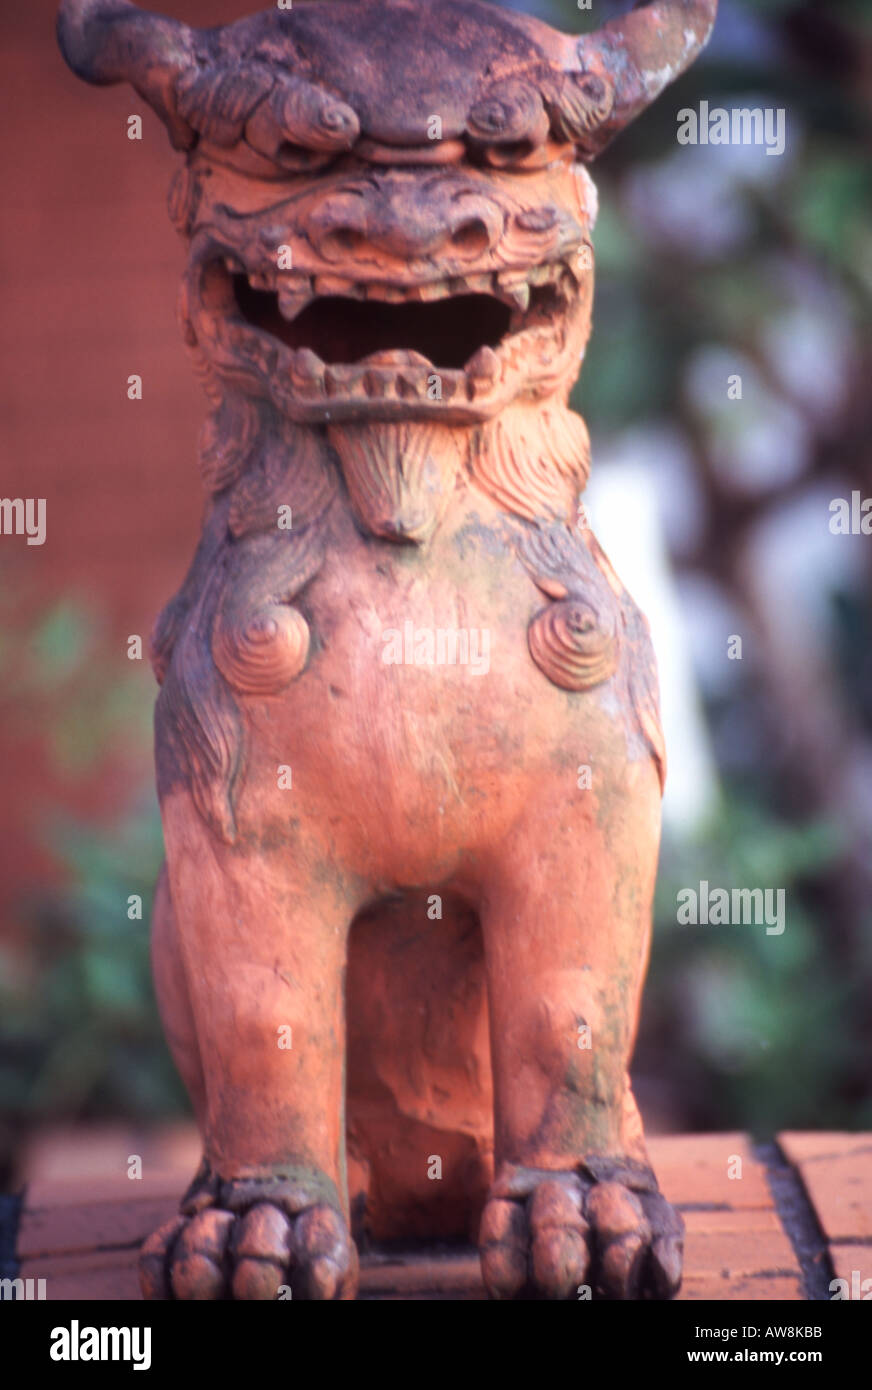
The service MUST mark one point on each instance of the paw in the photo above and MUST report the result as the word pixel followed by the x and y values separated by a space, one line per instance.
pixel 604 1225
pixel 249 1239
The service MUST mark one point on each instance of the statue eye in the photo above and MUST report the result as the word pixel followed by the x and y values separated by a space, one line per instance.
pixel 503 156
pixel 296 158
pixel 520 156
pixel 284 160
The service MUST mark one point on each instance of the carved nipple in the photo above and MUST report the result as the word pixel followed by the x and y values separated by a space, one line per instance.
pixel 568 645
pixel 262 652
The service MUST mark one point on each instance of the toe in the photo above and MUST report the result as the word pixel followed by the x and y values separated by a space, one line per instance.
pixel 154 1257
pixel 503 1247
pixel 559 1239
pixel 199 1265
pixel 622 1238
pixel 262 1245
pixel 615 1211
pixel 325 1257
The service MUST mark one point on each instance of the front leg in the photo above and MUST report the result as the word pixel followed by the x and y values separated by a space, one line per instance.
pixel 566 919
pixel 262 942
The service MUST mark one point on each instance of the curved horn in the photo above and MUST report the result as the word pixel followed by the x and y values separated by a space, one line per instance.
pixel 106 41
pixel 636 56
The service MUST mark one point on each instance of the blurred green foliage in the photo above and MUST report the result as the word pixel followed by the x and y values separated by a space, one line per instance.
pixel 61 688
pixel 754 1031
pixel 79 1033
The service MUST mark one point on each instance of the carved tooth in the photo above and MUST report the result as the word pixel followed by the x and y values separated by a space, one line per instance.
pixel 419 294
pixel 307 370
pixel 334 284
pixel 437 290
pixel 397 357
pixel 478 284
pixel 520 296
pixel 379 384
pixel 390 294
pixel 566 282
pixel 509 279
pixel 259 280
pixel 345 380
pixel 308 364
pixel 513 287
pixel 411 384
pixel 483 365
pixel 450 382
pixel 294 295
pixel 518 347
pixel 579 264
pixel 234 265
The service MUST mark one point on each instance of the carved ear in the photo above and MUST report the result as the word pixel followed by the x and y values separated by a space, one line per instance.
pixel 107 41
pixel 614 73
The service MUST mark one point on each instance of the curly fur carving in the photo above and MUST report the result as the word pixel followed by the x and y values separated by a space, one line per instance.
pixel 231 631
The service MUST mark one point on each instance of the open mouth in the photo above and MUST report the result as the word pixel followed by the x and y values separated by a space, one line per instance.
pixel 340 329
pixel 460 338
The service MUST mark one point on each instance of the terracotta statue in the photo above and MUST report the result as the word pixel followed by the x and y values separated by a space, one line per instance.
pixel 408 749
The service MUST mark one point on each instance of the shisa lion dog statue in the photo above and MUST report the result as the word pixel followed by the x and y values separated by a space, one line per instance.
pixel 408 749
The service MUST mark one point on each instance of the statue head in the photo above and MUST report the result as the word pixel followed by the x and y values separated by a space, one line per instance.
pixel 386 202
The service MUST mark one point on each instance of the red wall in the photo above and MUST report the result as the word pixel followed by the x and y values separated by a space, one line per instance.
pixel 89 271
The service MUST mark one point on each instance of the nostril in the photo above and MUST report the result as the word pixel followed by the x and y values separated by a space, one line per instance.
pixel 287 151
pixel 342 241
pixel 471 236
pixel 347 238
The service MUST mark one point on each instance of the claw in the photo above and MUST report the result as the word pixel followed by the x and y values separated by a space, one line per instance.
pixel 663 1275
pixel 264 1232
pixel 503 1241
pixel 325 1256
